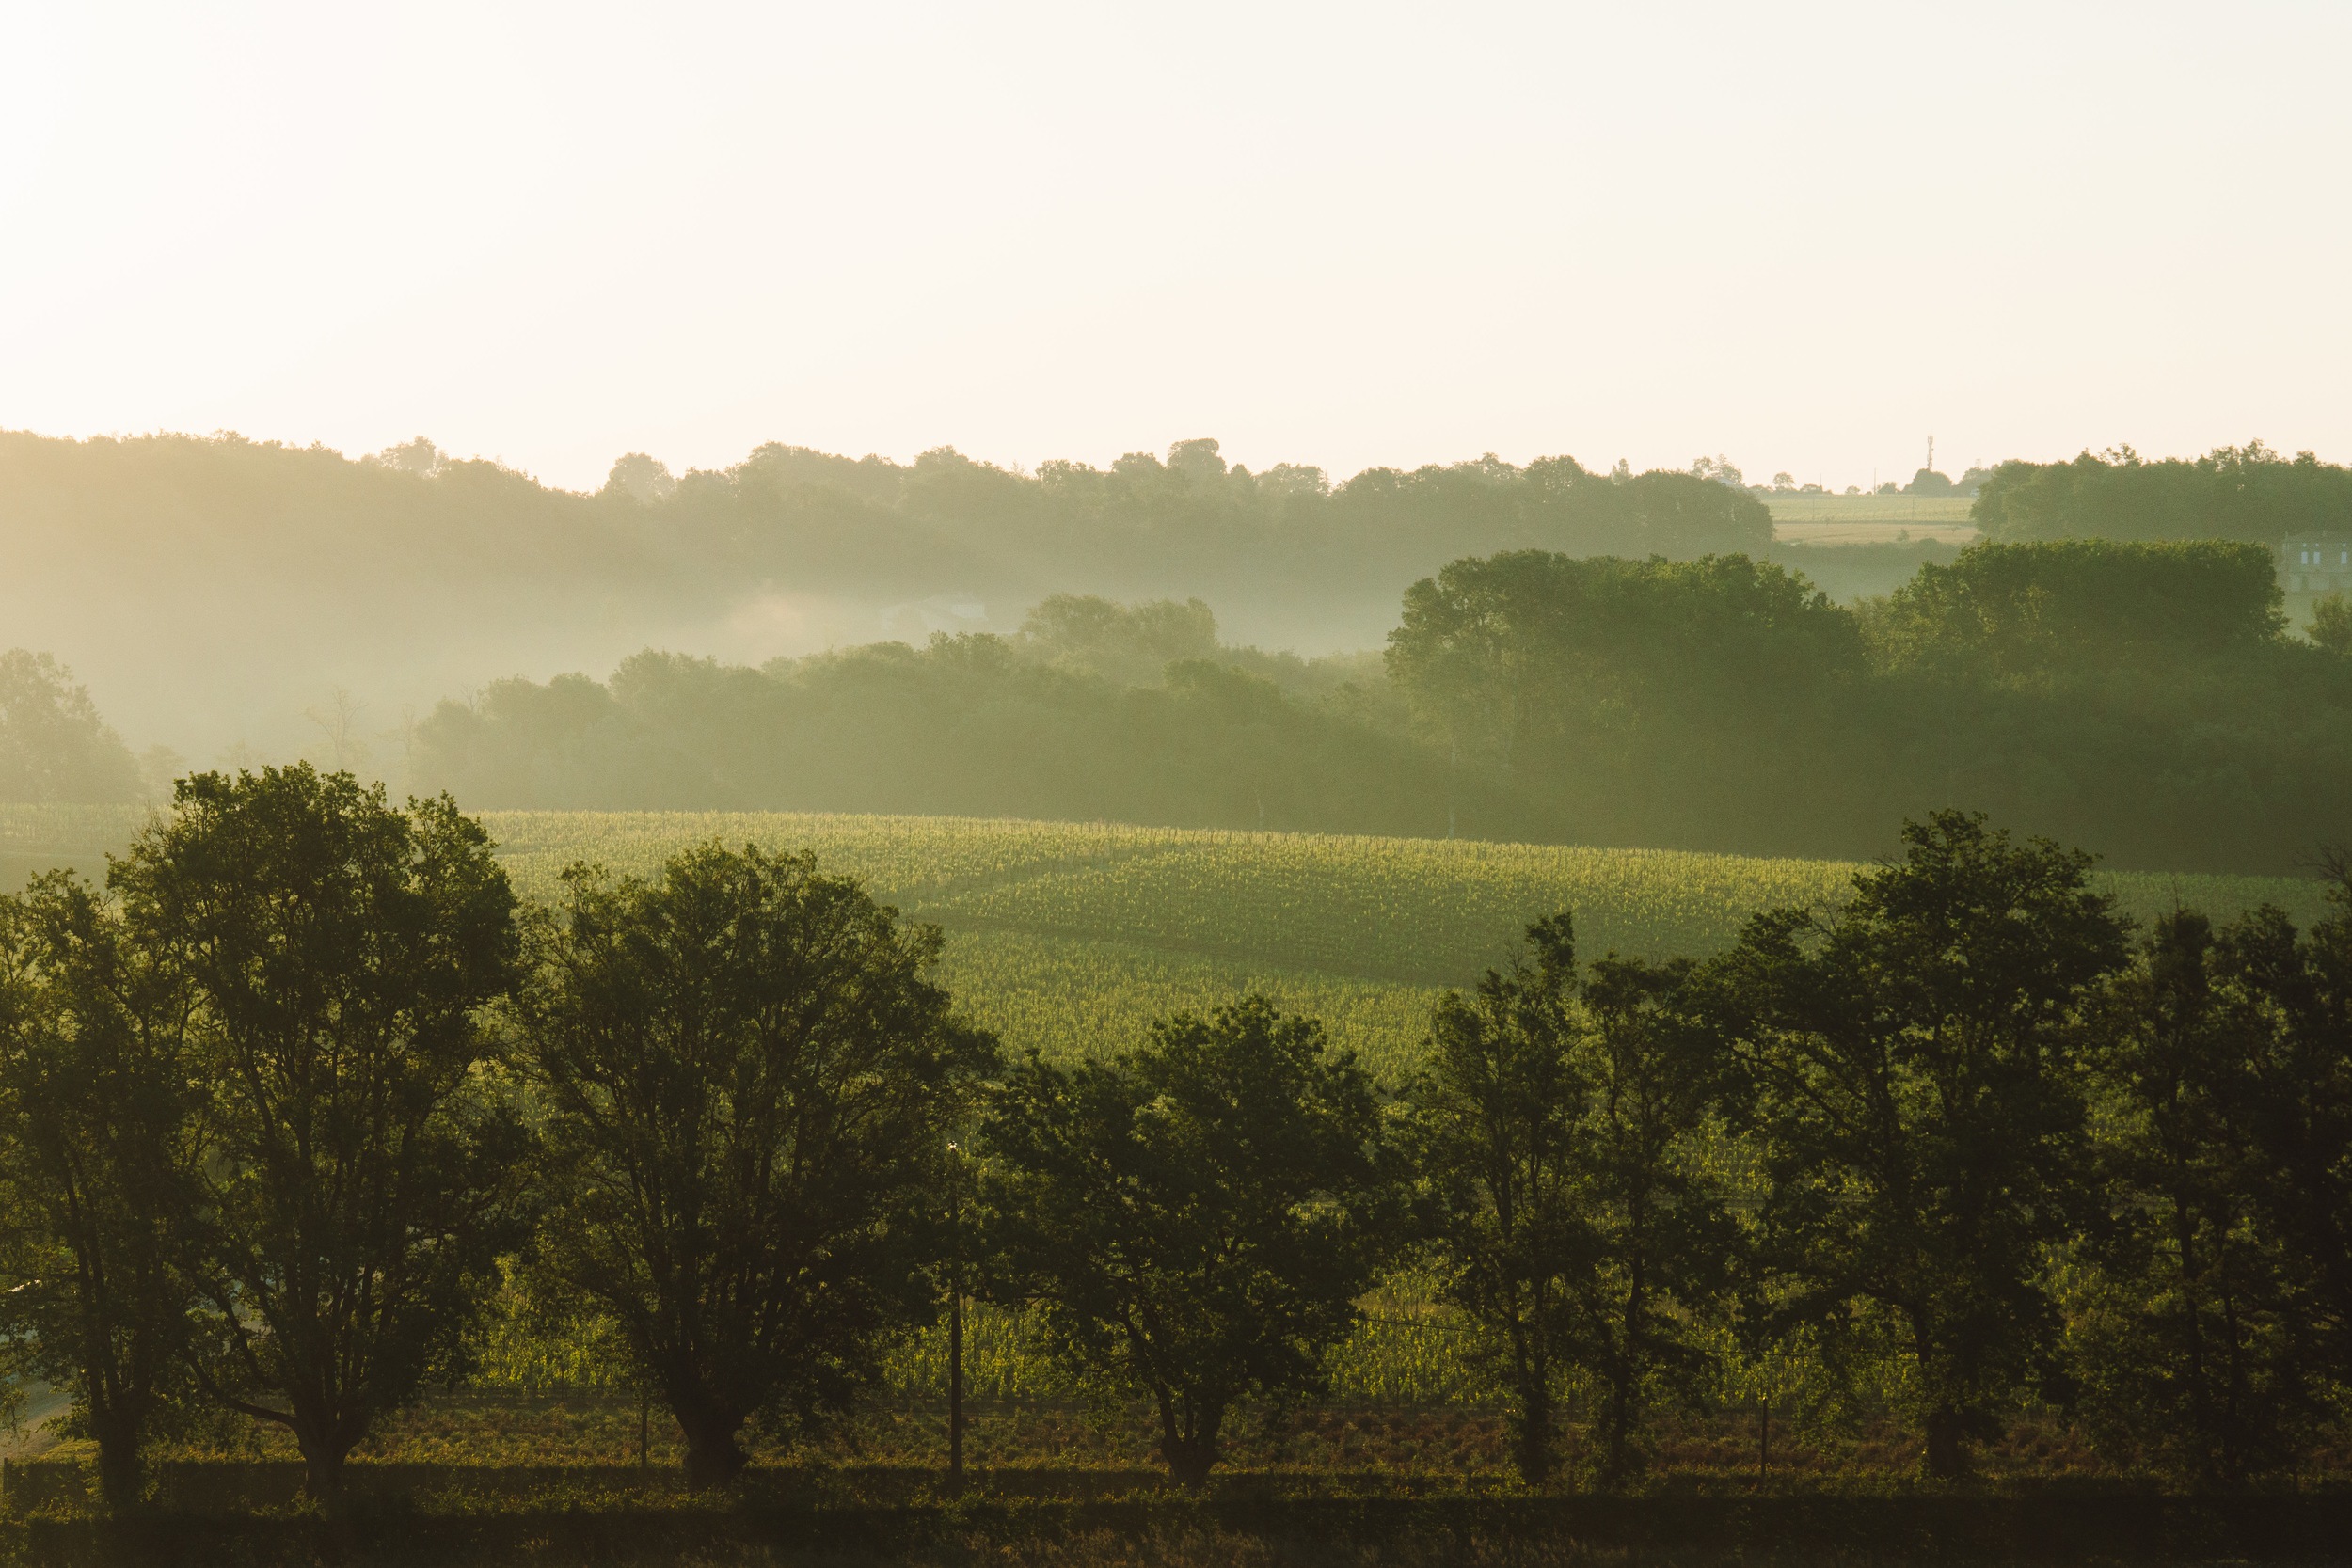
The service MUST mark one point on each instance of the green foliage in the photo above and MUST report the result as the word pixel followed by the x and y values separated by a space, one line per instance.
pixel 748 1085
pixel 969 724
pixel 2182 1290
pixel 53 744
pixel 2182 1327
pixel 1913 1087
pixel 2211 1322
pixel 2249 494
pixel 1128 644
pixel 1561 1131
pixel 2332 625
pixel 1525 659
pixel 2138 697
pixel 2022 610
pixel 335 954
pixel 1197 1216
pixel 1492 1132
pixel 2293 1086
pixel 531 1341
pixel 100 1145
pixel 1660 1246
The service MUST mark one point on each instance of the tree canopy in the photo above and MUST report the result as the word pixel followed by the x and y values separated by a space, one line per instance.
pixel 2249 494
pixel 1912 1060
pixel 53 747
pixel 1195 1216
pixel 364 1174
pixel 750 1083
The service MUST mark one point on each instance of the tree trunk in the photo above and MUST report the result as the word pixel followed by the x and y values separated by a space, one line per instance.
pixel 1623 1376
pixel 1189 1446
pixel 2200 1412
pixel 1620 1419
pixel 325 1442
pixel 713 1457
pixel 1947 1456
pixel 122 1474
pixel 955 1387
pixel 1531 1434
pixel 1189 1461
pixel 322 1470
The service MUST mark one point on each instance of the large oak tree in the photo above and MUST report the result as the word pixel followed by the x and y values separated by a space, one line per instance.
pixel 748 1083
pixel 338 953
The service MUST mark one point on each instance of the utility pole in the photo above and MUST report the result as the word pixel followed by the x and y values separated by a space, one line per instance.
pixel 955 1321
pixel 1452 769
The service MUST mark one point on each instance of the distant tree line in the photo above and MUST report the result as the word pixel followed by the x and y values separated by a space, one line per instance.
pixel 1095 710
pixel 2249 493
pixel 221 517
pixel 1192 517
pixel 293 1100
pixel 2141 698
pixel 2144 699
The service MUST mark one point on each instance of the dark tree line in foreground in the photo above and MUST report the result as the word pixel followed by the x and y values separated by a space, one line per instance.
pixel 302 1090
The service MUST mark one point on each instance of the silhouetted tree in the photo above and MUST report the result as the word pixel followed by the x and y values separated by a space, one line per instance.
pixel 1912 1061
pixel 2295 1087
pixel 362 1180
pixel 2186 1342
pixel 1661 1241
pixel 1194 1217
pixel 1492 1132
pixel 748 1084
pixel 100 1143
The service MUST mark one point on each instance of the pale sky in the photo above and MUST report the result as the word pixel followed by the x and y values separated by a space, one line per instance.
pixel 1805 236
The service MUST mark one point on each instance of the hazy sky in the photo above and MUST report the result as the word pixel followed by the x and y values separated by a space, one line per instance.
pixel 1804 235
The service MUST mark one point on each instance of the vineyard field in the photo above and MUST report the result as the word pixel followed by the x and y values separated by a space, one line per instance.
pixel 1069 938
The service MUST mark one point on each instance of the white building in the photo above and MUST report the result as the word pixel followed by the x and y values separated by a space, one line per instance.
pixel 2316 565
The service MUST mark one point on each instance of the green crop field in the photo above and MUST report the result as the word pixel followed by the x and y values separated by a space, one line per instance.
pixel 1071 937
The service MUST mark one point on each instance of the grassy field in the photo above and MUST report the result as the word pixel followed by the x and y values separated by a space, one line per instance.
pixel 1872 519
pixel 1071 937
pixel 1869 509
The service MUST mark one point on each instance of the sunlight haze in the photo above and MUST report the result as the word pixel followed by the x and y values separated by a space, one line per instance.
pixel 1805 237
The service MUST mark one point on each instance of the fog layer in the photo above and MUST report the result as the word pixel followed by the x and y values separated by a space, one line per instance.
pixel 218 591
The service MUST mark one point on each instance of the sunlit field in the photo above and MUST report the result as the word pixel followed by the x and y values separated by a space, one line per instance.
pixel 1945 511
pixel 1872 519
pixel 1071 937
